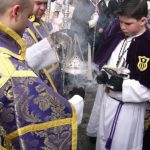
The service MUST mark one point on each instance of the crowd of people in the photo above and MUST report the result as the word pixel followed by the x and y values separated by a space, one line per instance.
pixel 36 113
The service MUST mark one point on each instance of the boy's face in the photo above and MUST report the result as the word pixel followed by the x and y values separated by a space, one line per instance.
pixel 131 26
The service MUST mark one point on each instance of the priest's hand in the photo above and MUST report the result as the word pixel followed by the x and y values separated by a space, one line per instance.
pixel 77 91
pixel 115 83
pixel 102 77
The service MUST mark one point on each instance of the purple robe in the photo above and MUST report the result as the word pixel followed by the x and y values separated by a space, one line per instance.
pixel 32 115
pixel 40 32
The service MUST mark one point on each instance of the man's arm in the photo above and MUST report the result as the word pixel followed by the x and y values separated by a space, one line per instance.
pixel 41 55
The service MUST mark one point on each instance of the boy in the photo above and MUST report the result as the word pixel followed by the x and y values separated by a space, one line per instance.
pixel 119 107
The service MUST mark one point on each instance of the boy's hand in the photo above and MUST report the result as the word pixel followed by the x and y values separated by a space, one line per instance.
pixel 115 83
pixel 102 78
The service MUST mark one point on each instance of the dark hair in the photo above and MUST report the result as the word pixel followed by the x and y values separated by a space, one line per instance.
pixel 133 9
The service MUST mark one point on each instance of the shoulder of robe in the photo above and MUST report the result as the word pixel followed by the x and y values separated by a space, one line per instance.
pixel 6 69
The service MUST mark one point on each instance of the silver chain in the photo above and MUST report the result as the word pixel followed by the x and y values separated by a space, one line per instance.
pixel 48 11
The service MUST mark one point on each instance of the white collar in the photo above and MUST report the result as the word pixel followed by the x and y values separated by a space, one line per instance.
pixel 131 37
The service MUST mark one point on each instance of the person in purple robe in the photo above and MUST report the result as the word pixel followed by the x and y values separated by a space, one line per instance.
pixel 117 118
pixel 32 115
pixel 39 30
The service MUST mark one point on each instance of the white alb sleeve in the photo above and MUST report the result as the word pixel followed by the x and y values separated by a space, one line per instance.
pixel 133 91
pixel 78 103
pixel 41 55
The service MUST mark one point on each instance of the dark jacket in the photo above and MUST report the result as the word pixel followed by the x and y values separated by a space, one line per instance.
pixel 138 55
